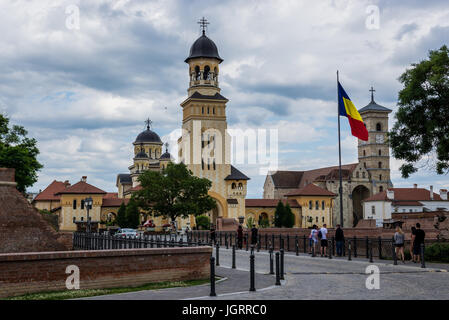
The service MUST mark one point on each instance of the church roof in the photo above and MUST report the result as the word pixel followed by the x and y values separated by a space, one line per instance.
pixel 311 190
pixel 406 195
pixel 166 155
pixel 216 96
pixel 298 179
pixel 124 178
pixel 236 175
pixel 203 47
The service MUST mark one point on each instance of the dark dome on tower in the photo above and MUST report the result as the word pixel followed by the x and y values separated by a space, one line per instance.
pixel 203 47
pixel 148 136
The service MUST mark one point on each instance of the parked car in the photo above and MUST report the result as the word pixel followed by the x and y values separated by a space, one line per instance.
pixel 126 233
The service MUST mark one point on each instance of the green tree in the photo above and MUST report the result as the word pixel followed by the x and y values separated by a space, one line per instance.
pixel 132 214
pixel 279 215
pixel 420 135
pixel 174 192
pixel 19 152
pixel 202 222
pixel 289 217
pixel 264 223
pixel 249 222
pixel 121 216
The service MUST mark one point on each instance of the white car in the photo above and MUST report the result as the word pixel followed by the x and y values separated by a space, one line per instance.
pixel 126 233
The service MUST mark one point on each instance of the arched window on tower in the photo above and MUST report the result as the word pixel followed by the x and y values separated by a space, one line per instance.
pixel 380 177
pixel 364 153
pixel 380 164
pixel 378 127
pixel 215 73
pixel 240 186
pixel 233 186
pixel 197 73
pixel 380 152
pixel 381 189
pixel 206 73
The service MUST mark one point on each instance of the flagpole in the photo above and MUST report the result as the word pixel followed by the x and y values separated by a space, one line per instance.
pixel 340 190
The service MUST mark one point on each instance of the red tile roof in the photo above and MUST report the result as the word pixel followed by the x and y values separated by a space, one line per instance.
pixel 111 195
pixel 269 203
pixel 406 194
pixel 49 193
pixel 311 190
pixel 83 188
pixel 114 202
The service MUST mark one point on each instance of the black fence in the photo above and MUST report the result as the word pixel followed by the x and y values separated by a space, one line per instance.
pixel 96 241
pixel 381 248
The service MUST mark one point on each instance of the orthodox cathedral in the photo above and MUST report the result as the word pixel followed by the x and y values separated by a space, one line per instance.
pixel 206 150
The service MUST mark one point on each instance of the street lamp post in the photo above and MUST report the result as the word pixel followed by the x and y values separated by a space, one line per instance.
pixel 88 203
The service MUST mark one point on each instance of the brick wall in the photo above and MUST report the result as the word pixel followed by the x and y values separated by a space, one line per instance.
pixel 22 273
pixel 22 228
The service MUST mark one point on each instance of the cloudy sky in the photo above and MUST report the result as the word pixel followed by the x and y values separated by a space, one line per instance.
pixel 84 92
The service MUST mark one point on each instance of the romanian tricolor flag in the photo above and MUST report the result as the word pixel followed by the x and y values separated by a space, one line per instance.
pixel 347 109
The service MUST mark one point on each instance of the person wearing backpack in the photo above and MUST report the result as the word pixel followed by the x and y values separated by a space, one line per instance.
pixel 323 238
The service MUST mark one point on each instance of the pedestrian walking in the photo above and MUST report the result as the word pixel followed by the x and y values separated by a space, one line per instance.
pixel 399 239
pixel 419 239
pixel 240 237
pixel 323 232
pixel 313 237
pixel 412 240
pixel 340 240
pixel 254 235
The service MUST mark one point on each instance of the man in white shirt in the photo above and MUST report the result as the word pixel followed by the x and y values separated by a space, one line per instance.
pixel 323 232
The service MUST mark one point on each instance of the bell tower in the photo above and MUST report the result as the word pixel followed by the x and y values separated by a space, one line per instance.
pixel 205 145
pixel 374 154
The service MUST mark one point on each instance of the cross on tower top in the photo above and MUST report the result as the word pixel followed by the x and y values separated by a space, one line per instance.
pixel 148 122
pixel 372 93
pixel 203 23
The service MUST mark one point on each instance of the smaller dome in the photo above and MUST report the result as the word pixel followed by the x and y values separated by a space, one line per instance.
pixel 166 155
pixel 148 136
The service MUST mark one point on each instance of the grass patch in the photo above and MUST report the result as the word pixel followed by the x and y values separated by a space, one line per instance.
pixel 82 293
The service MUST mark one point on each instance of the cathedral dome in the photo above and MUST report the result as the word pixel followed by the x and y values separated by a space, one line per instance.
pixel 166 155
pixel 141 155
pixel 203 47
pixel 148 136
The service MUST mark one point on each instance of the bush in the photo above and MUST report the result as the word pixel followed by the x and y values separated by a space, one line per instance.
pixel 203 222
pixel 249 222
pixel 438 252
pixel 264 223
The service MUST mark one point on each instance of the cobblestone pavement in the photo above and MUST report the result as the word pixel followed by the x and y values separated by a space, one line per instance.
pixel 322 278
pixel 307 277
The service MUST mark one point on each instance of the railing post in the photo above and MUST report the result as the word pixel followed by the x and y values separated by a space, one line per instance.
pixel 266 241
pixel 313 249
pixel 233 256
pixel 296 245
pixel 370 251
pixel 331 247
pixel 423 263
pixel 288 243
pixel 258 242
pixel 282 264
pixel 226 241
pixel 355 247
pixel 217 254
pixel 379 239
pixel 278 279
pixel 252 286
pixel 349 250
pixel 212 277
pixel 272 241
pixel 334 244
pixel 246 240
pixel 252 249
pixel 271 261
pixel 305 243
pixel 367 247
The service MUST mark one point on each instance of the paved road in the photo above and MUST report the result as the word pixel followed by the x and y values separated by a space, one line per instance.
pixel 312 278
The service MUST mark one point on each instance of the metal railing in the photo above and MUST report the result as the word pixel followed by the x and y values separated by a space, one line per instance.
pixel 381 248
pixel 96 241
